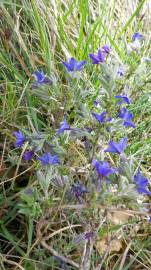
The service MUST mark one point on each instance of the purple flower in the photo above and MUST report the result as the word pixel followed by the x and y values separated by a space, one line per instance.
pixel 98 58
pixel 141 183
pixel 137 36
pixel 28 155
pixel 106 48
pixel 79 190
pixel 64 126
pixel 47 158
pixel 101 118
pixel 127 117
pixel 89 235
pixel 74 65
pixel 123 98
pixel 20 138
pixel 84 236
pixel 40 78
pixel 103 169
pixel 117 147
pixel 120 71
pixel 95 102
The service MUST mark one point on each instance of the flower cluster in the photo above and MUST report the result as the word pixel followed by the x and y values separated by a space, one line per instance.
pixel 141 183
pixel 135 45
pixel 104 118
pixel 100 56
pixel 78 190
pixel 40 79
pixel 74 65
pixel 103 168
pixel 45 159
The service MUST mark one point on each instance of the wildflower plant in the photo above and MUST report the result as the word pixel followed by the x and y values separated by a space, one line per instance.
pixel 102 138
pixel 86 146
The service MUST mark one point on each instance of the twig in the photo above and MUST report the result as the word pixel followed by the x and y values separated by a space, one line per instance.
pixel 86 258
pixel 61 230
pixel 59 256
pixel 99 267
pixel 13 178
pixel 124 256
pixel 11 262
pixel 39 226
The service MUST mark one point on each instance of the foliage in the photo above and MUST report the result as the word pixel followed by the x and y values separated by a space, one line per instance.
pixel 75 135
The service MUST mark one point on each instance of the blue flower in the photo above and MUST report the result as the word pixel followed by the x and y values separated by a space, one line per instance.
pixel 84 236
pixel 123 98
pixel 98 58
pixel 20 138
pixel 106 48
pixel 28 155
pixel 74 65
pixel 117 147
pixel 79 190
pixel 95 102
pixel 120 71
pixel 47 158
pixel 101 118
pixel 127 117
pixel 88 235
pixel 40 78
pixel 103 169
pixel 64 126
pixel 141 183
pixel 137 36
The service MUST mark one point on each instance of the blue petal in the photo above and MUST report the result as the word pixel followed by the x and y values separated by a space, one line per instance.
pixel 47 158
pixel 106 48
pixel 64 126
pixel 44 159
pixel 20 138
pixel 100 117
pixel 140 179
pixel 143 190
pixel 73 63
pixel 103 169
pixel 68 67
pixel 28 155
pixel 94 58
pixel 101 56
pixel 123 144
pixel 120 71
pixel 126 115
pixel 129 124
pixel 137 35
pixel 54 160
pixel 79 190
pixel 115 147
pixel 80 64
pixel 124 98
pixel 95 102
pixel 39 76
